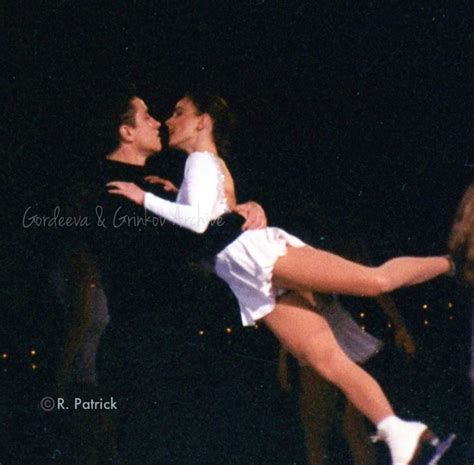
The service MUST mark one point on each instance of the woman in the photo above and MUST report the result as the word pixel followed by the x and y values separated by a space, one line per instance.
pixel 261 265
pixel 461 244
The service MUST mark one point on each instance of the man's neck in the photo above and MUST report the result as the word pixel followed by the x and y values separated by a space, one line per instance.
pixel 126 155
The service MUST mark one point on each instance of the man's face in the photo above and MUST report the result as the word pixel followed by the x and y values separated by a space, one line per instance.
pixel 145 134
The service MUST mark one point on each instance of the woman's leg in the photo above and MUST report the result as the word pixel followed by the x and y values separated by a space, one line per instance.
pixel 308 337
pixel 310 269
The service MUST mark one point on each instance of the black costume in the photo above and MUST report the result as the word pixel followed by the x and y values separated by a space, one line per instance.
pixel 152 359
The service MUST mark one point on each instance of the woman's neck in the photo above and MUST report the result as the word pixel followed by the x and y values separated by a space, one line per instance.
pixel 203 145
pixel 212 151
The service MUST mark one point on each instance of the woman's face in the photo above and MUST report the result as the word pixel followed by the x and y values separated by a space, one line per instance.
pixel 183 125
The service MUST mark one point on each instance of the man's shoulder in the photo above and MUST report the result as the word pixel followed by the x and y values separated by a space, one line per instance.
pixel 116 168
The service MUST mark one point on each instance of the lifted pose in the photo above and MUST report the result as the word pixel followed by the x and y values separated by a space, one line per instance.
pixel 262 266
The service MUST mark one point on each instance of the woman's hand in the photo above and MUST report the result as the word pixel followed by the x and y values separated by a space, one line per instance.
pixel 127 189
pixel 254 215
pixel 168 186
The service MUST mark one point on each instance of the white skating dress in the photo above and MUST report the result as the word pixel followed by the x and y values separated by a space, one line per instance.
pixel 246 264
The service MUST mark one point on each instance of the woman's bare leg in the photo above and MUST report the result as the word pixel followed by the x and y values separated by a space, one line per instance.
pixel 308 337
pixel 310 269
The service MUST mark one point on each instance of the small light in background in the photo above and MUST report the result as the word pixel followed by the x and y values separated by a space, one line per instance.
pixel 362 314
pixel 228 330
pixel 450 305
pixel 424 306
pixel 4 355
pixel 201 332
pixel 425 322
pixel 32 352
pixel 34 366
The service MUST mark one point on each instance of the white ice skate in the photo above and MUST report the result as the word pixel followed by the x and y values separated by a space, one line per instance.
pixel 405 440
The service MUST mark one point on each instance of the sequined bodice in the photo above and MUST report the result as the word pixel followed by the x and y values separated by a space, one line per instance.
pixel 207 163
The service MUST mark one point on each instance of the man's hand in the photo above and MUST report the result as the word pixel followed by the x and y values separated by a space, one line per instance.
pixel 168 186
pixel 127 189
pixel 254 215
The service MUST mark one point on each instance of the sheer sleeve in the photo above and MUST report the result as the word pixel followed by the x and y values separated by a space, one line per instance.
pixel 196 199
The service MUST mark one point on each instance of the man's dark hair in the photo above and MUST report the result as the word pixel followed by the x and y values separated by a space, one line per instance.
pixel 114 110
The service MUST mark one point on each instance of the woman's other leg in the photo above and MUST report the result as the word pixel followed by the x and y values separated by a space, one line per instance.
pixel 317 402
pixel 309 338
pixel 355 432
pixel 310 269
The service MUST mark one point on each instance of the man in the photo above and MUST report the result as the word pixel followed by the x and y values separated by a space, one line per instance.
pixel 146 356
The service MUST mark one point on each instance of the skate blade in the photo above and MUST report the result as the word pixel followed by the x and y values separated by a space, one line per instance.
pixel 441 448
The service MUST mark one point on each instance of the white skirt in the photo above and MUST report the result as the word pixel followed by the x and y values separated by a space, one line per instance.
pixel 246 265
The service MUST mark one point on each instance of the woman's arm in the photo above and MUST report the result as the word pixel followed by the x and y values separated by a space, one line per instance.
pixel 201 180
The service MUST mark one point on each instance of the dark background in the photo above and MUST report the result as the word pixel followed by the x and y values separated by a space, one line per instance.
pixel 354 119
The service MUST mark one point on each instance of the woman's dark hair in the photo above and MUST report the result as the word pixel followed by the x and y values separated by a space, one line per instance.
pixel 461 240
pixel 218 109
